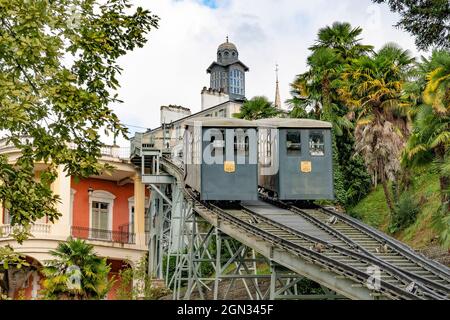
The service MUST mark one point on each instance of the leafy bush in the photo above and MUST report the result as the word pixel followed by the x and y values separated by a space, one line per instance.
pixel 355 181
pixel 144 287
pixel 441 223
pixel 76 261
pixel 307 286
pixel 406 210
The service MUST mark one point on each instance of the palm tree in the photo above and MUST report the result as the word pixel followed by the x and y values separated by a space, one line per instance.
pixel 431 134
pixel 316 91
pixel 258 107
pixel 373 88
pixel 335 47
pixel 343 39
pixel 437 94
pixel 305 95
pixel 76 272
pixel 437 91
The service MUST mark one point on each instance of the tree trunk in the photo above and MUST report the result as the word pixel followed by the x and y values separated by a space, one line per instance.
pixel 387 195
pixel 444 183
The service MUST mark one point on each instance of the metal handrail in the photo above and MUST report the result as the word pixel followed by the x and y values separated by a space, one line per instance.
pixel 103 235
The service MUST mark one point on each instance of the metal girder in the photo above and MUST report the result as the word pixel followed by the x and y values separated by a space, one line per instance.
pixel 157 179
pixel 155 188
pixel 284 285
pixel 185 238
pixel 340 284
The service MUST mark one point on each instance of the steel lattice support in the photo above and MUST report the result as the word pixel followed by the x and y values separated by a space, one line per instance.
pixel 208 250
pixel 166 214
pixel 203 262
pixel 285 285
pixel 198 260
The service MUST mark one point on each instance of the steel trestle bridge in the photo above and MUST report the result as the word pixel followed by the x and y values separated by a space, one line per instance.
pixel 346 257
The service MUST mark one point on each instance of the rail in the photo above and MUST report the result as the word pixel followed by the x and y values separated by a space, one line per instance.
pixel 429 286
pixel 393 243
pixel 124 237
pixel 397 283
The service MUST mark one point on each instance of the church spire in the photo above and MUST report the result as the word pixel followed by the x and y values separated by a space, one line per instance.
pixel 277 92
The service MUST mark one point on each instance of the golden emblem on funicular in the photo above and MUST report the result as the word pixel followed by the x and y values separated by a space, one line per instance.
pixel 305 166
pixel 228 166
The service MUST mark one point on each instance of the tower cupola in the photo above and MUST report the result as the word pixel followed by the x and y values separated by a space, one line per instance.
pixel 227 53
pixel 228 72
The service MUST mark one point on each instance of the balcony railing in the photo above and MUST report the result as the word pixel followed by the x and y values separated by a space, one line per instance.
pixel 105 150
pixel 103 235
pixel 38 228
pixel 115 152
pixel 6 144
pixel 111 151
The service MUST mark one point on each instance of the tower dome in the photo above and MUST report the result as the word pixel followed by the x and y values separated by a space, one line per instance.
pixel 227 46
pixel 228 72
pixel 227 53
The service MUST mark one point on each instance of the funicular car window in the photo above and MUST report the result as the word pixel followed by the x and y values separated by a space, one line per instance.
pixel 241 143
pixel 293 143
pixel 262 146
pixel 218 142
pixel 316 144
pixel 196 147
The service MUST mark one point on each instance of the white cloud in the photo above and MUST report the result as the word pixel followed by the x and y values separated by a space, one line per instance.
pixel 171 68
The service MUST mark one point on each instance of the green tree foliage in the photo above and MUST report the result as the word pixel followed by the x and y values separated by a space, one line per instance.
pixel 406 210
pixel 317 90
pixel 143 287
pixel 336 46
pixel 64 281
pixel 427 20
pixel 356 181
pixel 258 107
pixel 373 88
pixel 430 138
pixel 58 74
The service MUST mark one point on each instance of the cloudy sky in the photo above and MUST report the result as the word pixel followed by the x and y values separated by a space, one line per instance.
pixel 171 68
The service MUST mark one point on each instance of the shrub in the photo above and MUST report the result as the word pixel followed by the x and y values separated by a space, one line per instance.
pixel 144 288
pixel 406 210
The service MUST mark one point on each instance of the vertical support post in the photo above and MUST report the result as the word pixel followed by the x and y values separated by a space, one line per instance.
pixel 191 257
pixel 160 223
pixel 175 217
pixel 218 263
pixel 153 241
pixel 139 211
pixel 157 164
pixel 273 280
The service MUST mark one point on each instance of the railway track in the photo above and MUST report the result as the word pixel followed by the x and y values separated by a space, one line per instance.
pixel 427 275
pixel 344 247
